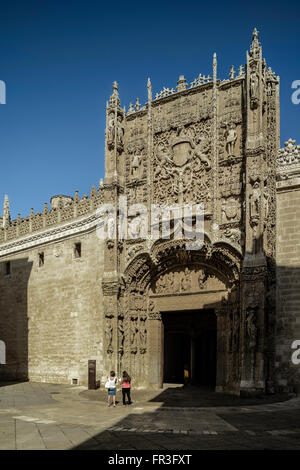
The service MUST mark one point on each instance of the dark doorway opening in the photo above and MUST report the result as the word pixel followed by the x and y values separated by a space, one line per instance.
pixel 190 341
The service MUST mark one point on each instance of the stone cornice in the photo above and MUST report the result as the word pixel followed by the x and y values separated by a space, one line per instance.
pixel 66 230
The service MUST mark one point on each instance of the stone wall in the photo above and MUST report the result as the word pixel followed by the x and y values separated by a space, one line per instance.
pixel 288 264
pixel 51 315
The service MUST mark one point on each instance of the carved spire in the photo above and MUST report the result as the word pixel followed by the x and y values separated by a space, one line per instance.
pixel 232 72
pixel 255 46
pixel 6 212
pixel 149 87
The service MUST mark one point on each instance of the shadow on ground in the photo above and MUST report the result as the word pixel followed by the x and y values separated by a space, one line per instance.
pixel 189 396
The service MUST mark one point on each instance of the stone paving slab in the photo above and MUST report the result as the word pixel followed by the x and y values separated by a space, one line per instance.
pixel 60 417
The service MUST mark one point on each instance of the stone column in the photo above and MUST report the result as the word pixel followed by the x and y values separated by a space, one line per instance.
pixel 155 349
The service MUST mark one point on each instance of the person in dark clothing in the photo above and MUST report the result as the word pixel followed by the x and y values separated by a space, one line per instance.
pixel 126 387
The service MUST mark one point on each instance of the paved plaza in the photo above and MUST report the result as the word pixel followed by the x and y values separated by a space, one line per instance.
pixel 49 416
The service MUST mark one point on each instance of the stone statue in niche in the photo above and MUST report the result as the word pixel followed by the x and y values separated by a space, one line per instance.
pixel 120 131
pixel 231 137
pixel 133 333
pixel 121 335
pixel 136 165
pixel 254 82
pixel 111 128
pixel 255 201
pixel 251 326
pixel 186 281
pixel 109 334
pixel 143 336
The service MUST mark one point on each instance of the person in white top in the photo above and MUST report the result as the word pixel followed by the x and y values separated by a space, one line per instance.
pixel 111 388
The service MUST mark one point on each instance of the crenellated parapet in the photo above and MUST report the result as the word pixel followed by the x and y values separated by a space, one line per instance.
pixel 63 209
pixel 288 166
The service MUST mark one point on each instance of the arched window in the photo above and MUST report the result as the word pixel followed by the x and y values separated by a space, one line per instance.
pixel 2 352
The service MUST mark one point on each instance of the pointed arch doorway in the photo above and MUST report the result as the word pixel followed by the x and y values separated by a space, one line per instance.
pixel 186 301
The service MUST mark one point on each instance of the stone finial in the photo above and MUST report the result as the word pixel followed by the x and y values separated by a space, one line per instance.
pixel 241 71
pixel 232 72
pixel 149 87
pixel 255 34
pixel 137 104
pixel 255 46
pixel 6 212
pixel 31 213
pixel 45 210
pixel 182 83
pixel 93 191
pixel 114 99
pixel 131 108
pixel 76 197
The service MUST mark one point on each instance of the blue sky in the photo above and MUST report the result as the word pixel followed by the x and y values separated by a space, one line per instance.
pixel 59 59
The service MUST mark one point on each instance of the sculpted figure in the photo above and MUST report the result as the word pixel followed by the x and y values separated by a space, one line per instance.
pixel 231 137
pixel 143 335
pixel 171 281
pixel 111 128
pixel 109 334
pixel 255 200
pixel 135 167
pixel 161 284
pixel 133 332
pixel 201 279
pixel 121 335
pixel 250 326
pixel 254 87
pixel 186 281
pixel 202 147
pixel 120 131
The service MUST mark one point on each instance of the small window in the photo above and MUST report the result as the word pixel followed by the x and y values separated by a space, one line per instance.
pixel 77 250
pixel 7 268
pixel 74 381
pixel 41 259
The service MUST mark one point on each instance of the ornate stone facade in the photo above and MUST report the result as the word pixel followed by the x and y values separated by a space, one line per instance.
pixel 214 142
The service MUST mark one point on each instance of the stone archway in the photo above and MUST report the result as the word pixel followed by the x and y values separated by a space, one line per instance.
pixel 170 278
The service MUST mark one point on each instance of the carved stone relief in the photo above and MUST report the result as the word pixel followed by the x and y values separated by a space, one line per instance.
pixel 189 280
pixel 182 165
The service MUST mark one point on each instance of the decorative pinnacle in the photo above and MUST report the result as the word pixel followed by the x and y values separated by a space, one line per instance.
pixel 255 46
pixel 114 99
pixel 255 34
pixel 149 86
pixel 115 88
pixel 232 73
pixel 6 211
pixel 215 67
